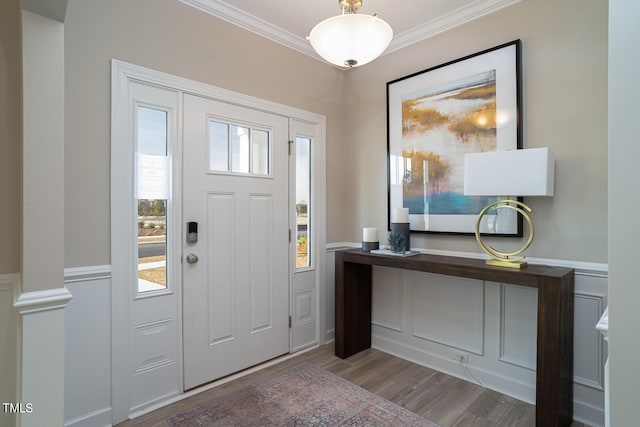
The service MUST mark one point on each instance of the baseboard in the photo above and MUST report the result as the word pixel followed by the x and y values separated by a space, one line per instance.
pixel 99 418
pixel 583 412
pixel 330 336
pixel 491 380
pixel 588 414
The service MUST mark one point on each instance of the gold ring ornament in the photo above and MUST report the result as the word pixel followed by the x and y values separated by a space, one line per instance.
pixel 506 259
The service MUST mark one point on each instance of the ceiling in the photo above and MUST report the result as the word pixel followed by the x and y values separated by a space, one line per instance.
pixel 288 22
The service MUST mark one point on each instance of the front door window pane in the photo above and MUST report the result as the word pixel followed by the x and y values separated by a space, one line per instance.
pixel 218 146
pixel 260 152
pixel 239 149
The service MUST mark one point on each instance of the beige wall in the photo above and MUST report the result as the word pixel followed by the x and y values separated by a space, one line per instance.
pixel 171 37
pixel 565 108
pixel 10 135
pixel 42 153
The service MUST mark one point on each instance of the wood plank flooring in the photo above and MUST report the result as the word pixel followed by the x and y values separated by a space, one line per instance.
pixel 439 397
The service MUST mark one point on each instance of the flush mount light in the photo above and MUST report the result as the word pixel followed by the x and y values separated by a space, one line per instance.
pixel 351 40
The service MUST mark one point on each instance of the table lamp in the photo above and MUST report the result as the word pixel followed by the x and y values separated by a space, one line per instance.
pixel 508 173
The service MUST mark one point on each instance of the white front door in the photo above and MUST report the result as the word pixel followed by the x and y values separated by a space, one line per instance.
pixel 235 191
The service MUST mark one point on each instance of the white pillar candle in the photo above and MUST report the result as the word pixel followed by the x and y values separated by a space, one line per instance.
pixel 400 215
pixel 369 234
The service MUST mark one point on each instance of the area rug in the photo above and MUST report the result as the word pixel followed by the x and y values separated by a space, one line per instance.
pixel 304 395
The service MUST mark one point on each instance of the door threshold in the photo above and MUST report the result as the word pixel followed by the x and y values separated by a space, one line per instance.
pixel 221 381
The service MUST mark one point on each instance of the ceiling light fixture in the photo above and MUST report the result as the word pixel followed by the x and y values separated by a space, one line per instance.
pixel 350 40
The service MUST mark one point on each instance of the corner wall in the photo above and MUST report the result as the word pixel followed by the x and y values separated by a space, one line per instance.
pixel 10 196
pixel 10 135
pixel 624 234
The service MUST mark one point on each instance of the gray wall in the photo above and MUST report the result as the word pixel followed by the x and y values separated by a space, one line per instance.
pixel 564 107
pixel 10 135
pixel 171 37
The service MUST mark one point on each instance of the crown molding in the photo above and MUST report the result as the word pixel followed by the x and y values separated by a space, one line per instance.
pixel 259 26
pixel 252 23
pixel 446 22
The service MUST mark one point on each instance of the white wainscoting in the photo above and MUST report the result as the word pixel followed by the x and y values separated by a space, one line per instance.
pixel 87 397
pixel 433 320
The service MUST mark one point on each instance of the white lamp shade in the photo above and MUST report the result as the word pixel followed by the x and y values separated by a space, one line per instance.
pixel 527 172
pixel 357 37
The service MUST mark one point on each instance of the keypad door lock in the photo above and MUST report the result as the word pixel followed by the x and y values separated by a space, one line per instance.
pixel 192 232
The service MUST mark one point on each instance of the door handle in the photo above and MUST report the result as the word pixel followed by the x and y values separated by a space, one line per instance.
pixel 192 258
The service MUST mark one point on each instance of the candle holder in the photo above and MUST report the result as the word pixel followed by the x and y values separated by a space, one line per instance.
pixel 370 239
pixel 400 226
pixel 400 229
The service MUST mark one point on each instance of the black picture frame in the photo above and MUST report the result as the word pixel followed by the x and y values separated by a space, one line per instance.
pixel 434 117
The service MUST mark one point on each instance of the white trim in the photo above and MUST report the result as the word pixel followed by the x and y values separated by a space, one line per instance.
pixel 122 76
pixel 256 25
pixel 446 22
pixel 123 72
pixel 38 301
pixel 88 273
pixel 259 26
pixel 603 324
pixel 101 417
pixel 582 268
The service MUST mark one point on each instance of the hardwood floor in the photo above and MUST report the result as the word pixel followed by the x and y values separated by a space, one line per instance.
pixel 439 397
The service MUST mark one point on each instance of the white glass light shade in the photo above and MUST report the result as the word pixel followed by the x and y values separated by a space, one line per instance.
pixel 527 172
pixel 352 37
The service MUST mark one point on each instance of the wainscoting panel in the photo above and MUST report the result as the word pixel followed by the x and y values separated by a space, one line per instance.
pixel 518 321
pixel 387 304
pixel 588 365
pixel 435 320
pixel 87 396
pixel 447 310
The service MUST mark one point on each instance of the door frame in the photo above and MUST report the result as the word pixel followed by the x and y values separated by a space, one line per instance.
pixel 122 261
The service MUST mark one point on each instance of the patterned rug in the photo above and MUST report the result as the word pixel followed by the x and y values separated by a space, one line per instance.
pixel 304 395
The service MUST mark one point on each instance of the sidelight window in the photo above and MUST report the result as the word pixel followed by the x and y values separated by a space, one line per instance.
pixel 152 193
pixel 303 200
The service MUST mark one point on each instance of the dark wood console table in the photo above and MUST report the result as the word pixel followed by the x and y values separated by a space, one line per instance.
pixel 554 366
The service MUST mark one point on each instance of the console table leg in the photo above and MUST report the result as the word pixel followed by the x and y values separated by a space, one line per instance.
pixel 554 370
pixel 353 307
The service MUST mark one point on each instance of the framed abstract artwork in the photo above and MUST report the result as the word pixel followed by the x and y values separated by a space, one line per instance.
pixel 435 117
